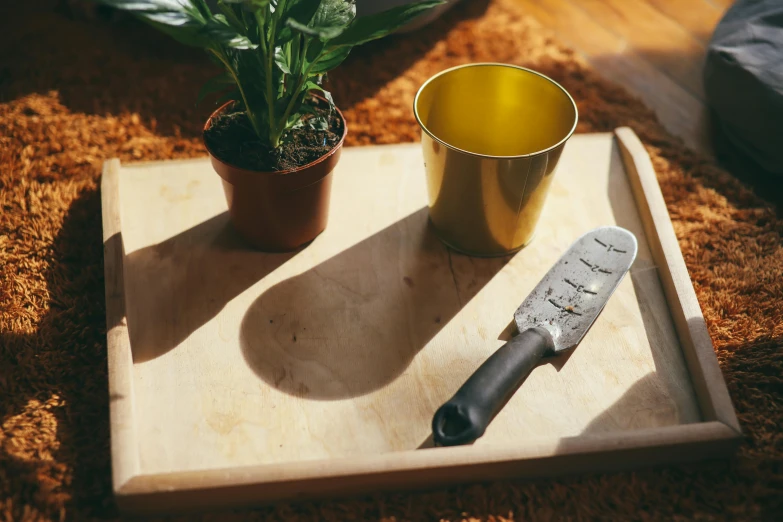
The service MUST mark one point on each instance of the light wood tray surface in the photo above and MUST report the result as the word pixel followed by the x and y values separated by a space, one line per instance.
pixel 238 376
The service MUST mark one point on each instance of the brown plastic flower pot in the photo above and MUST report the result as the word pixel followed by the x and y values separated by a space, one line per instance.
pixel 282 210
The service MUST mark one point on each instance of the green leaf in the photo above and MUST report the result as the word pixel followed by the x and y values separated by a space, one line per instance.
pixel 372 27
pixel 300 11
pixel 316 122
pixel 250 3
pixel 202 7
pixel 320 32
pixel 232 17
pixel 180 20
pixel 281 60
pixel 284 35
pixel 329 60
pixel 169 12
pixel 314 49
pixel 329 20
pixel 281 103
pixel 293 52
pixel 312 86
pixel 190 36
pixel 251 80
pixel 334 13
pixel 308 116
pixel 215 84
pixel 221 31
pixel 261 8
pixel 307 109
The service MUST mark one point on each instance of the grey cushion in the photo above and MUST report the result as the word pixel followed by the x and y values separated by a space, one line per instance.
pixel 743 79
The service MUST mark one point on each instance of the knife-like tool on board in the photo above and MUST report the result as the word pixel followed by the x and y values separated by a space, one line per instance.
pixel 552 319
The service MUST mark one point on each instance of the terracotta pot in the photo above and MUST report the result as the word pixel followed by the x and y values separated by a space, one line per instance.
pixel 282 210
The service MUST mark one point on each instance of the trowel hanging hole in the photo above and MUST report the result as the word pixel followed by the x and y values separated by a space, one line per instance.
pixel 452 425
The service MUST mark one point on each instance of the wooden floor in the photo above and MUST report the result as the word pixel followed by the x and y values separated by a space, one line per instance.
pixel 655 48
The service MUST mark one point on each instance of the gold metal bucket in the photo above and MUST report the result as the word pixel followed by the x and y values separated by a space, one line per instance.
pixel 492 135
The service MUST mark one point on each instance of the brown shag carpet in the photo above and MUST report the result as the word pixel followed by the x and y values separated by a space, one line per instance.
pixel 75 91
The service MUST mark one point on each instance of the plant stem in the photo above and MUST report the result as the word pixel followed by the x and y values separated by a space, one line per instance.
pixel 203 9
pixel 269 100
pixel 299 85
pixel 230 69
pixel 270 51
pixel 267 53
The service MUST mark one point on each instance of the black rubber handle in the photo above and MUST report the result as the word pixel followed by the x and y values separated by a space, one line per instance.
pixel 465 417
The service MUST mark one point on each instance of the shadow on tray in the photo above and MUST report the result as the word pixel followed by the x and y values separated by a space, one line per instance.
pixel 176 286
pixel 353 323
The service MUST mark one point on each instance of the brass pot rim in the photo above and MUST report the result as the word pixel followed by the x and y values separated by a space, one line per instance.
pixel 495 64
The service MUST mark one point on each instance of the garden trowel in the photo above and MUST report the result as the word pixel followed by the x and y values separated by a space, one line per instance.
pixel 552 319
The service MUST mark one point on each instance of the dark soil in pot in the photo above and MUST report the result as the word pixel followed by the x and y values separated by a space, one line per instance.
pixel 232 139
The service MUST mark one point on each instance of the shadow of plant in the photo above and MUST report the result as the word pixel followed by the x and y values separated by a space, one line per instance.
pixel 335 332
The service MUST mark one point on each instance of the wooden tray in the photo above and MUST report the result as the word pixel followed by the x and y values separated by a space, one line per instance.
pixel 238 377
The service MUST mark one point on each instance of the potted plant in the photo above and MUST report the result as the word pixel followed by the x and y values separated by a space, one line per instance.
pixel 278 135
